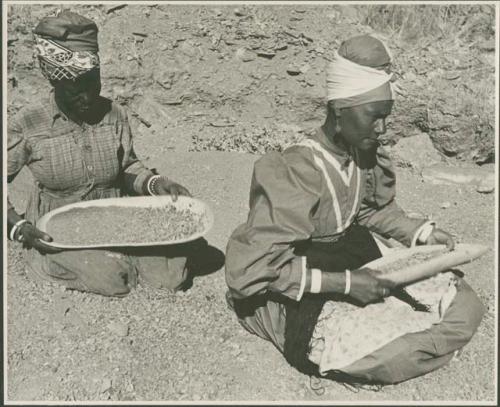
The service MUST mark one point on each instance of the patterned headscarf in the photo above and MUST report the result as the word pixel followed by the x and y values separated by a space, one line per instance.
pixel 66 46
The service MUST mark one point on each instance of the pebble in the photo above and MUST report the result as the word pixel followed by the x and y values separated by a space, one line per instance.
pixel 304 68
pixel 487 45
pixel 293 70
pixel 266 53
pixel 105 385
pixel 485 189
pixel 118 328
pixel 244 55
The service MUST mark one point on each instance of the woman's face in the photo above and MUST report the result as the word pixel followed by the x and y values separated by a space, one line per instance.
pixel 361 126
pixel 79 95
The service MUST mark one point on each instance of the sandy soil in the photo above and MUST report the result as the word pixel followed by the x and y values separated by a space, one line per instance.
pixel 153 345
pixel 65 345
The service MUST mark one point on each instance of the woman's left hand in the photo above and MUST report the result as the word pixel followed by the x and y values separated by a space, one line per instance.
pixel 165 186
pixel 439 236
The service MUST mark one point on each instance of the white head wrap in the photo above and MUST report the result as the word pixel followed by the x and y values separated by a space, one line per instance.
pixel 345 78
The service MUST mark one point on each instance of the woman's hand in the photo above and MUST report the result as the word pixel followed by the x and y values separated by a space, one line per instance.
pixel 439 236
pixel 31 237
pixel 165 186
pixel 366 287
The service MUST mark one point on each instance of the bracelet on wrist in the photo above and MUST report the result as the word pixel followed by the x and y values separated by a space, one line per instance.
pixel 15 228
pixel 151 185
pixel 315 281
pixel 347 282
pixel 426 232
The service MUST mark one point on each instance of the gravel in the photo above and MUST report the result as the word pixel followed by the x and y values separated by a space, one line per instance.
pixel 157 345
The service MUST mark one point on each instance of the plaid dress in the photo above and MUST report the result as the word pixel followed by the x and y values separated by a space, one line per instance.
pixel 72 162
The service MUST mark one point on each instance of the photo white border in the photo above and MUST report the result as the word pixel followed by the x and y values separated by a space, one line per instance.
pixel 5 6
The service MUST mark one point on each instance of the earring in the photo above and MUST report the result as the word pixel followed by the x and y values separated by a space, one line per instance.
pixel 337 127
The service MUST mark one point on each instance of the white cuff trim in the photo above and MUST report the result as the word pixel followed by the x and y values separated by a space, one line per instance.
pixel 423 232
pixel 315 281
pixel 303 279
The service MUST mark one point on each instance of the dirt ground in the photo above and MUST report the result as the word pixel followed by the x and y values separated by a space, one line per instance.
pixel 237 98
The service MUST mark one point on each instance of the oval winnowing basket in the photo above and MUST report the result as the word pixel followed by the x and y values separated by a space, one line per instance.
pixel 194 206
pixel 417 270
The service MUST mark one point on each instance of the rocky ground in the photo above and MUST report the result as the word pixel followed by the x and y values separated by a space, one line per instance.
pixel 209 89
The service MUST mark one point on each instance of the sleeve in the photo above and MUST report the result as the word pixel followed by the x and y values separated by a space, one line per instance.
pixel 379 210
pixel 135 172
pixel 18 151
pixel 260 258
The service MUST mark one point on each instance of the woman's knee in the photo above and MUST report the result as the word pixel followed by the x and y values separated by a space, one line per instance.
pixel 470 305
pixel 114 285
pixel 100 272
pixel 163 272
pixel 461 319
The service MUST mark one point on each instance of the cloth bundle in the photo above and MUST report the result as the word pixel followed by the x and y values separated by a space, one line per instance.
pixel 346 333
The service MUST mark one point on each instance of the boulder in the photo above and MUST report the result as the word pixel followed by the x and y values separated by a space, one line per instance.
pixel 415 152
pixel 439 174
pixel 151 112
pixel 486 186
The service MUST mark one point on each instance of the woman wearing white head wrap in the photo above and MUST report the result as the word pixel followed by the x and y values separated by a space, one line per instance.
pixel 312 209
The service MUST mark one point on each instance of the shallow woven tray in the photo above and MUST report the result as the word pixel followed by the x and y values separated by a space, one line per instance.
pixel 183 203
pixel 463 253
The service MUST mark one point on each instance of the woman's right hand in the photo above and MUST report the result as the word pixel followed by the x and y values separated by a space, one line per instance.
pixel 32 237
pixel 366 287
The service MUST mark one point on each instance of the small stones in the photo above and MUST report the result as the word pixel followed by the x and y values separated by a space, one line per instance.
pixel 487 45
pixel 293 70
pixel 486 186
pixel 266 53
pixel 105 385
pixel 119 328
pixel 485 189
pixel 129 387
pixel 244 55
pixel 445 205
pixel 305 68
pixel 239 12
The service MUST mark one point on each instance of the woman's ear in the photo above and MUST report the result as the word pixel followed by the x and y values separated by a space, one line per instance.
pixel 334 113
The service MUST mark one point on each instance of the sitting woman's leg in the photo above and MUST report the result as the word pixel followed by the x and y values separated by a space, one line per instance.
pixel 169 267
pixel 98 271
pixel 162 267
pixel 261 317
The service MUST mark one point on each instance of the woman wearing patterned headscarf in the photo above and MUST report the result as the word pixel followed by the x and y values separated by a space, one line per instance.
pixel 313 211
pixel 79 146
